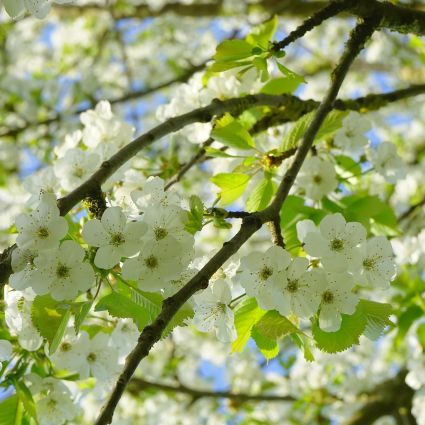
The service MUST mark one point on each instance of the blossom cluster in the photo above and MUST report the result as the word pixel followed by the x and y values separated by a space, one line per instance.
pixel 341 257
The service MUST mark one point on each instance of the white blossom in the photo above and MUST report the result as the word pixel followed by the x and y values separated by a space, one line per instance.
pixel 337 243
pixel 336 298
pixel 317 177
pixel 387 162
pixel 43 228
pixel 350 138
pixel 212 311
pixel 62 272
pixel 261 272
pixel 377 266
pixel 114 236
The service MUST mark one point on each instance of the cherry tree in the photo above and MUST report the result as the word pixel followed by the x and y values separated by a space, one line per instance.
pixel 212 212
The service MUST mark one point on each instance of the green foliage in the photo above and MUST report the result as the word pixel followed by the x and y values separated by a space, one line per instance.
pixel 80 311
pixel 25 396
pixel 370 319
pixel 248 53
pixel 332 123
pixel 232 186
pixel 247 314
pixel 281 85
pixel 274 326
pixel 50 318
pixel 11 411
pixel 231 133
pixel 118 305
pixel 260 195
pixel 196 215
pixel 268 347
pixel 373 213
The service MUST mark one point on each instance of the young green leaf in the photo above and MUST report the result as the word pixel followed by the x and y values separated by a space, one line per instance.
pixel 273 325
pixel 268 347
pixel 282 85
pixel 233 134
pixel 232 186
pixel 247 314
pixel 261 195
pixel 262 34
pixel 11 411
pixel 50 318
pixel 118 305
pixel 332 123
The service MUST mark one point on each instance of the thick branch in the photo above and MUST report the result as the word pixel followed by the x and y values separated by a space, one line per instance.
pixel 392 397
pixel 136 385
pixel 152 333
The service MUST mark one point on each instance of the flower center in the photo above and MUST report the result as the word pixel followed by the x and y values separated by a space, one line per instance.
pixel 160 233
pixel 317 179
pixel 151 262
pixel 91 358
pixel 62 271
pixel 65 346
pixel 369 263
pixel 78 172
pixel 52 403
pixel 265 273
pixel 292 285
pixel 43 232
pixel 337 245
pixel 117 239
pixel 328 297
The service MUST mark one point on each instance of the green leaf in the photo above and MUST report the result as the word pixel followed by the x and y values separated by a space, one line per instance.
pixel 119 305
pixel 262 68
pixel 303 343
pixel 11 411
pixel 377 318
pixel 25 397
pixel 60 332
pixel 405 321
pixel 282 85
pixel 272 325
pixel 233 50
pixel 269 348
pixel 233 134
pixel 420 332
pixel 263 33
pixel 369 318
pixel 232 186
pixel 347 167
pixel 196 215
pixel 348 334
pixel 80 311
pixel 247 314
pixel 218 153
pixel 50 318
pixel 331 124
pixel 371 212
pixel 261 195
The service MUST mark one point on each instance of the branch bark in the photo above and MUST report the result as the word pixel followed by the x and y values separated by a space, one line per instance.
pixel 137 385
pixel 152 333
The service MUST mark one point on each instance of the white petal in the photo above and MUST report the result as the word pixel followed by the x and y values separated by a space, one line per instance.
pixel 304 227
pixel 332 225
pixel 107 256
pixel 94 233
pixel 329 319
pixel 114 220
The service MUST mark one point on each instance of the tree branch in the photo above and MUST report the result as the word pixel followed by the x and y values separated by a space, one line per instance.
pixel 331 9
pixel 137 385
pixel 152 333
pixel 391 397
